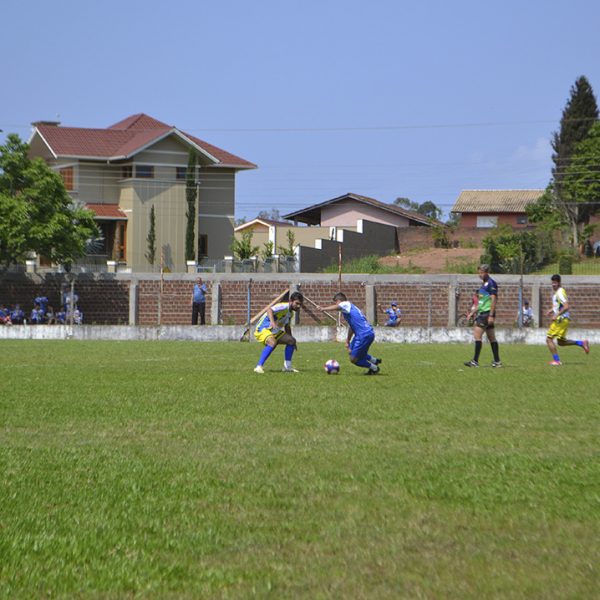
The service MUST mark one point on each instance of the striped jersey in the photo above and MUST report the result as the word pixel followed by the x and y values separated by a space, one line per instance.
pixel 283 315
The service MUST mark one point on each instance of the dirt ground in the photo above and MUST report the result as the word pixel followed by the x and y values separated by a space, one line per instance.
pixel 435 260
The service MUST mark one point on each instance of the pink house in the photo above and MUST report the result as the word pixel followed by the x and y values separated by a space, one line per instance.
pixel 346 210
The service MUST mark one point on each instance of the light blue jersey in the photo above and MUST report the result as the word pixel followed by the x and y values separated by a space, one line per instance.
pixel 356 320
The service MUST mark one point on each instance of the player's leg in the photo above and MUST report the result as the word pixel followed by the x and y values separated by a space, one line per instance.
pixel 290 347
pixel 491 336
pixel 478 329
pixel 552 345
pixel 359 351
pixel 267 338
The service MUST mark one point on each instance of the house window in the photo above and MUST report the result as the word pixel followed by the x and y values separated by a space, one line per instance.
pixel 202 246
pixel 487 222
pixel 181 173
pixel 127 172
pixel 522 219
pixel 144 171
pixel 67 177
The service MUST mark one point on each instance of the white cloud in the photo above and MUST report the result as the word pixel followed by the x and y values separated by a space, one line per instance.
pixel 540 151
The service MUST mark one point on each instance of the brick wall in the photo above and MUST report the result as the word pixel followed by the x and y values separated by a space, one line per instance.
pixel 103 301
pixel 424 299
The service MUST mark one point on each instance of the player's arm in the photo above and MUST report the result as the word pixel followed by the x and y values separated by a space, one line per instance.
pixel 329 308
pixel 271 316
pixel 492 316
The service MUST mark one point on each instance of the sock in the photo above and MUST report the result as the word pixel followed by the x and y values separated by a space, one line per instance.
pixel 265 354
pixel 495 351
pixel 579 343
pixel 364 363
pixel 288 352
pixel 477 351
pixel 556 357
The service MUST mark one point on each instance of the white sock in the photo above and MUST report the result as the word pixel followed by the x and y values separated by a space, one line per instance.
pixel 287 364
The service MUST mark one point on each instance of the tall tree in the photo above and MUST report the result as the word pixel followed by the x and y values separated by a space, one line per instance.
pixel 36 212
pixel 406 203
pixel 191 192
pixel 581 180
pixel 579 114
pixel 429 209
pixel 151 239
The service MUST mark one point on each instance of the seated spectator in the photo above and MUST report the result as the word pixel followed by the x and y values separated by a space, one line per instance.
pixel 50 317
pixel 77 317
pixel 4 315
pixel 37 315
pixel 66 299
pixel 527 314
pixel 393 313
pixel 17 315
pixel 60 317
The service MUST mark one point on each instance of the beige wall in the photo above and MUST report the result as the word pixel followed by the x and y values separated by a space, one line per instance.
pixel 347 212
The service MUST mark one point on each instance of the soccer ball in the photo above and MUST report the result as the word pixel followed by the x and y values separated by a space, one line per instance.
pixel 332 367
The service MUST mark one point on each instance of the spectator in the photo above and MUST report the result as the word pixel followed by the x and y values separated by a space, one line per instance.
pixel 198 302
pixel 37 315
pixel 4 315
pixel 17 315
pixel 394 314
pixel 61 316
pixel 43 302
pixel 526 314
pixel 50 317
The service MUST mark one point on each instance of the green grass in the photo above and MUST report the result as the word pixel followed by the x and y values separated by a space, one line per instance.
pixel 586 266
pixel 371 265
pixel 171 470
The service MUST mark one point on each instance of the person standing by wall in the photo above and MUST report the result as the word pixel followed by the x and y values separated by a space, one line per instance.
pixel 198 302
pixel 486 317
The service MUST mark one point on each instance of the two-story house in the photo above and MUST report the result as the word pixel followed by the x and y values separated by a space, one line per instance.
pixel 121 172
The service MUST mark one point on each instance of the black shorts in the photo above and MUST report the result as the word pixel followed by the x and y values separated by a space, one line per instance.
pixel 482 321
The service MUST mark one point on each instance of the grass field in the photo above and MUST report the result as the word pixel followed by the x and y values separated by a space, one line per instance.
pixel 163 469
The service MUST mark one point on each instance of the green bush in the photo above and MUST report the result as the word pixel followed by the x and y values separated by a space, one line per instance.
pixel 565 264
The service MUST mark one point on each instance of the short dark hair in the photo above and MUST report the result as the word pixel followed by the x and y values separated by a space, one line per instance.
pixel 340 296
pixel 296 296
pixel 555 277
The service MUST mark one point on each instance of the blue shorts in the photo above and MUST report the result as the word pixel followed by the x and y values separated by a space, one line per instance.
pixel 359 347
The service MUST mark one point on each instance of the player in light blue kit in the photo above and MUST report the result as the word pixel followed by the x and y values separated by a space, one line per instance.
pixel 360 334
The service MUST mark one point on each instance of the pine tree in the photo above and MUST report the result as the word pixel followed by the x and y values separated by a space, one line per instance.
pixel 190 196
pixel 580 113
pixel 151 239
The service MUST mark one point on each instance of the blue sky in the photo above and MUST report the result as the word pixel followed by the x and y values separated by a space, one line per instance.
pixel 383 98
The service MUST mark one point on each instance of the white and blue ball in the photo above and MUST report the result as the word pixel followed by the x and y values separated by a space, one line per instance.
pixel 332 367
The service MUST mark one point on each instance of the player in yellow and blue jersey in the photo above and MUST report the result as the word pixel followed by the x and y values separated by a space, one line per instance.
pixel 273 328
pixel 560 323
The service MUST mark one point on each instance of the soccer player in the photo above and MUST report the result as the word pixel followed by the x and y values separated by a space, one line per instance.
pixel 360 334
pixel 486 317
pixel 560 323
pixel 273 328
pixel 394 314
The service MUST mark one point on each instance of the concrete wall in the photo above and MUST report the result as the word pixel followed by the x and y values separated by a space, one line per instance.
pixel 425 300
pixel 401 335
pixel 370 238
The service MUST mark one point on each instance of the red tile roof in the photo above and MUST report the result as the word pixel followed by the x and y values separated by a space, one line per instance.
pixel 124 139
pixel 107 211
